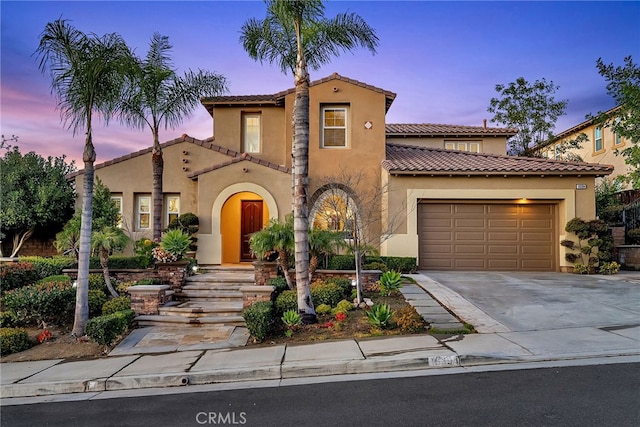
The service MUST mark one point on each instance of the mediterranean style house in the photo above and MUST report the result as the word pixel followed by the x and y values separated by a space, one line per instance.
pixel 453 198
pixel 602 145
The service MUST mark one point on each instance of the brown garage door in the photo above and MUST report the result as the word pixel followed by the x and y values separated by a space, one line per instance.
pixel 487 236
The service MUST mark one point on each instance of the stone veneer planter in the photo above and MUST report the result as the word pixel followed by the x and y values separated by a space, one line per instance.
pixel 629 255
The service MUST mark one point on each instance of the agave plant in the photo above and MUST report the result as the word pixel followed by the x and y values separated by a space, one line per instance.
pixel 390 282
pixel 176 242
pixel 380 315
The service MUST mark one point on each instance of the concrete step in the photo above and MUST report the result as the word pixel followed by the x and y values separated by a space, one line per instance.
pixel 214 286
pixel 222 277
pixel 187 293
pixel 195 310
pixel 159 320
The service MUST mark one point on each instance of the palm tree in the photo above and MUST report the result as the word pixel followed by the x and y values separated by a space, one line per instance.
pixel 106 241
pixel 157 95
pixel 321 244
pixel 86 73
pixel 295 34
pixel 275 237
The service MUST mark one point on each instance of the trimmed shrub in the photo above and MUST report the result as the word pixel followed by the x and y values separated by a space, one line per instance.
pixel 122 262
pixel 323 309
pixel 345 306
pixel 149 281
pixel 96 299
pixel 122 287
pixel 13 340
pixel 342 262
pixel 50 266
pixel 51 302
pixel 62 278
pixel 326 293
pixel 376 265
pixel 96 282
pixel 116 304
pixel 7 319
pixel 343 283
pixel 280 284
pixel 105 329
pixel 15 275
pixel 403 265
pixel 259 319
pixel 287 300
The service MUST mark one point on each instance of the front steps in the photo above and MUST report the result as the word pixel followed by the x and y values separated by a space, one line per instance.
pixel 208 299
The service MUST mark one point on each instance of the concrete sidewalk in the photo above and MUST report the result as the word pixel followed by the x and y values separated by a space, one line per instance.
pixel 494 344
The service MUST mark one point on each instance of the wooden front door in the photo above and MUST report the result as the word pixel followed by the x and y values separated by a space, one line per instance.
pixel 250 222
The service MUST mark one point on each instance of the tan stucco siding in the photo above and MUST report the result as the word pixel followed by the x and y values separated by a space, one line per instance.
pixel 406 192
pixel 228 131
pixel 491 145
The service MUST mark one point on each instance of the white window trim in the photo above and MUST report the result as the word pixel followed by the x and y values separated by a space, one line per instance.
pixel 120 200
pixel 167 212
pixel 345 127
pixel 463 146
pixel 139 212
pixel 595 140
pixel 244 131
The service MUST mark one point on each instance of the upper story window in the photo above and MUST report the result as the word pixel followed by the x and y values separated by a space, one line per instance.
pixel 251 132
pixel 471 146
pixel 597 139
pixel 617 140
pixel 143 212
pixel 334 127
pixel 117 200
pixel 173 208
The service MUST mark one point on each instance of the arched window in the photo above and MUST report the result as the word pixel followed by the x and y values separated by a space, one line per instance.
pixel 334 209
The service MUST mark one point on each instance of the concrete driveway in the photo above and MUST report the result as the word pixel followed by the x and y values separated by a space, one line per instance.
pixel 529 301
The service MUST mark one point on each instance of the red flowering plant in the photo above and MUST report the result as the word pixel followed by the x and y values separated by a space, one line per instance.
pixel 341 316
pixel 328 324
pixel 43 336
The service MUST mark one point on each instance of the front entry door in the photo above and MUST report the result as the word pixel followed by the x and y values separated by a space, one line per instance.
pixel 250 222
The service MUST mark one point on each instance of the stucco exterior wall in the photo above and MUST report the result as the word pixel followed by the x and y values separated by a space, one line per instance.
pixel 491 145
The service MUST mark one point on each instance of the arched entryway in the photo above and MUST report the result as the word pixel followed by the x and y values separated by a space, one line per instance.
pixel 242 214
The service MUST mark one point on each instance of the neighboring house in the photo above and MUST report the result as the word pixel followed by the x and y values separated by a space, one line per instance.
pixel 455 199
pixel 602 146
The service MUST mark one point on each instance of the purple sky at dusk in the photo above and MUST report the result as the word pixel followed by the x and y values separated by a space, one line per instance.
pixel 443 59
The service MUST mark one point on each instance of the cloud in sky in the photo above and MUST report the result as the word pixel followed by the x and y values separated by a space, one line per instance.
pixel 442 59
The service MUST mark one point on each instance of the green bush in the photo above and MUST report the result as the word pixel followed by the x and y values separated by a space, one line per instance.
pixel 50 266
pixel 345 306
pixel 287 300
pixel 96 282
pixel 51 302
pixel 62 278
pixel 15 275
pixel 259 319
pixel 342 262
pixel 343 283
pixel 323 309
pixel 8 319
pixel 376 265
pixel 403 265
pixel 13 340
pixel 143 249
pixel 96 300
pixel 116 304
pixel 280 284
pixel 326 293
pixel 117 262
pixel 380 315
pixel 105 329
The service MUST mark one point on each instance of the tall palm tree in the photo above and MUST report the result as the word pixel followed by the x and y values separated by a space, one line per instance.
pixel 296 35
pixel 157 96
pixel 86 74
pixel 106 241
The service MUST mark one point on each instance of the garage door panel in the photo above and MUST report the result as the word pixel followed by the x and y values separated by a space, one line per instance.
pixel 500 236
pixel 487 236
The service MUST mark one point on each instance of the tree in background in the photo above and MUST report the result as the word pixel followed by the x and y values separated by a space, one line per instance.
pixel 296 35
pixel 86 78
pixel 156 96
pixel 35 193
pixel 104 214
pixel 623 84
pixel 531 109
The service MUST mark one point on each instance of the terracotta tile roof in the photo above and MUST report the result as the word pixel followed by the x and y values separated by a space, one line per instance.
pixel 430 129
pixel 278 98
pixel 409 159
pixel 206 143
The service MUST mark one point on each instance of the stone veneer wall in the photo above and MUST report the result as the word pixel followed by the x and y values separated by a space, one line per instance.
pixel 629 255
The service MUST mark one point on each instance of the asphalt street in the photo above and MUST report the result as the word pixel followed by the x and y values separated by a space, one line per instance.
pixel 600 395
